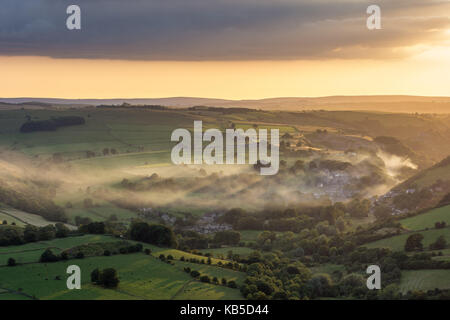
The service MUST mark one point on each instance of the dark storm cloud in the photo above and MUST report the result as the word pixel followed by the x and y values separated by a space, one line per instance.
pixel 218 29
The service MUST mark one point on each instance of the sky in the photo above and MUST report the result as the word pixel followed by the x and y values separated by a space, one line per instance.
pixel 233 49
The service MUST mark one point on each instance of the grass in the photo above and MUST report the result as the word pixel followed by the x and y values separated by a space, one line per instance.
pixel 213 271
pixel 328 268
pixel 397 243
pixel 141 277
pixel 31 252
pixel 424 280
pixel 177 254
pixel 10 219
pixel 201 291
pixel 101 213
pixel 427 219
pixel 23 217
pixel 249 235
pixel 223 252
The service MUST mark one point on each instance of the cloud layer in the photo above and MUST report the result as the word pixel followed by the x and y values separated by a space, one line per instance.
pixel 189 30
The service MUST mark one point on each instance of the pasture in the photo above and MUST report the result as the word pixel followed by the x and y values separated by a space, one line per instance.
pixel 397 243
pixel 141 277
pixel 31 252
pixel 427 219
pixel 424 280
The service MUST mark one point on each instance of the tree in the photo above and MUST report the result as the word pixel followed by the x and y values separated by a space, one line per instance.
pixel 439 244
pixel 195 273
pixel 154 234
pixel 30 234
pixel 228 237
pixel 46 233
pixel 11 262
pixel 340 224
pixel 61 230
pixel 109 278
pixel 232 284
pixel 414 242
pixel 320 285
pixel 232 216
pixel 48 256
pixel 93 228
pixel 95 276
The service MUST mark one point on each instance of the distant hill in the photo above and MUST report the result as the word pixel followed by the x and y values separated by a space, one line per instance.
pixel 397 103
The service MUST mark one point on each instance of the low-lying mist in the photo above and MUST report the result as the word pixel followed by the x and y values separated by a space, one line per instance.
pixel 321 178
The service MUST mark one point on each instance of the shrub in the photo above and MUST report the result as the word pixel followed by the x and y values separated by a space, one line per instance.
pixel 11 262
pixel 195 274
pixel 48 256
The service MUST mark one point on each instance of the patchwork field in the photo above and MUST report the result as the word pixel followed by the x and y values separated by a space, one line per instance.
pixel 141 276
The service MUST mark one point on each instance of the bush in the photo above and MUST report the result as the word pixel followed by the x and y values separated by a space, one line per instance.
pixel 107 277
pixel 95 276
pixel 205 279
pixel 123 250
pixel 154 234
pixel 232 284
pixel 79 255
pixel 64 256
pixel 195 274
pixel 11 262
pixel 48 256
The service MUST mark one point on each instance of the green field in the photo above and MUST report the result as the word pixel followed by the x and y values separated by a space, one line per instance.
pixel 397 243
pixel 424 280
pixel 200 291
pixel 249 235
pixel 427 219
pixel 213 271
pixel 31 252
pixel 22 217
pixel 141 277
pixel 328 268
pixel 177 254
pixel 223 252
pixel 10 219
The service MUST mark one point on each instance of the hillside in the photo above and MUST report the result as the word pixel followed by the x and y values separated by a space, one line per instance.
pixel 406 104
pixel 430 176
